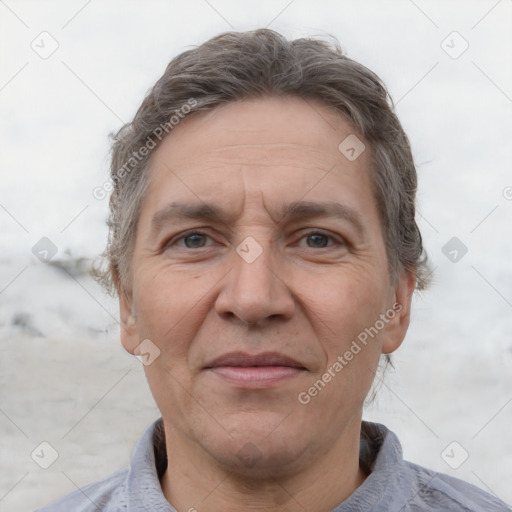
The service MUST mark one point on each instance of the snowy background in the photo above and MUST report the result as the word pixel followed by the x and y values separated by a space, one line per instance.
pixel 64 378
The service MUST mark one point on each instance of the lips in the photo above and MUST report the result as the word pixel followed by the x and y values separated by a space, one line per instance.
pixel 243 360
pixel 258 371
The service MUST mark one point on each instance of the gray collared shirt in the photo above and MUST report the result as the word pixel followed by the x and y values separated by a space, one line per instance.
pixel 393 485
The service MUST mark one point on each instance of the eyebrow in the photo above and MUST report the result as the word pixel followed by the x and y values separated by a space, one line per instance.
pixel 298 210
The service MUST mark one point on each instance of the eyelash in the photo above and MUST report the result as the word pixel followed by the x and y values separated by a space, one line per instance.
pixel 183 236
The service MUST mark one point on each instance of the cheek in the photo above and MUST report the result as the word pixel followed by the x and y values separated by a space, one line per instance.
pixel 351 353
pixel 351 345
pixel 172 305
pixel 162 293
pixel 350 302
pixel 167 315
pixel 165 309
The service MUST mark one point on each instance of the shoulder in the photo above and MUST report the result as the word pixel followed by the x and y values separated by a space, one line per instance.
pixel 440 492
pixel 106 495
pixel 134 488
pixel 395 484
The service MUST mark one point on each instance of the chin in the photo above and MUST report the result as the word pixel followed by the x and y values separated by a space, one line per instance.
pixel 262 461
pixel 260 449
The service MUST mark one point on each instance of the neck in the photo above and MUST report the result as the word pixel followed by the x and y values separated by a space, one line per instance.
pixel 194 481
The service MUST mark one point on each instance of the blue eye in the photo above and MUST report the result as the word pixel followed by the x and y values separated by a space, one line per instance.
pixel 194 240
pixel 199 240
pixel 319 240
pixel 190 240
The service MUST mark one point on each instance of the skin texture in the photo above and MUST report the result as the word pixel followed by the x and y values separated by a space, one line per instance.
pixel 307 297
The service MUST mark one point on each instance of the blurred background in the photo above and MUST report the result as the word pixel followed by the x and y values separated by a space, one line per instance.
pixel 74 71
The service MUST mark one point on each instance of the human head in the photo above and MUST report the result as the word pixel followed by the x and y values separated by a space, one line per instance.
pixel 236 66
pixel 250 124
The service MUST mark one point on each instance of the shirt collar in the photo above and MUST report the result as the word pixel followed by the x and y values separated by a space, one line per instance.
pixel 148 463
pixel 380 456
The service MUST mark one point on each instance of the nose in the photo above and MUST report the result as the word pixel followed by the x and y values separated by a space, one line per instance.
pixel 253 291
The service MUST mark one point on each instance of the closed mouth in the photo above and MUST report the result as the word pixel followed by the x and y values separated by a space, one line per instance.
pixel 244 360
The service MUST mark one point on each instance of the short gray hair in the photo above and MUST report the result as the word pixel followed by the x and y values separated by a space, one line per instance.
pixel 240 65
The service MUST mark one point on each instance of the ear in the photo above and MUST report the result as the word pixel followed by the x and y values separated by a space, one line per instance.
pixel 129 330
pixel 397 326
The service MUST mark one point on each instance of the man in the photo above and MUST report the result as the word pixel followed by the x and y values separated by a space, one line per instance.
pixel 264 249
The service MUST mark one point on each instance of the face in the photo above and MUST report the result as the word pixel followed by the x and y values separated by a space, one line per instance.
pixel 259 261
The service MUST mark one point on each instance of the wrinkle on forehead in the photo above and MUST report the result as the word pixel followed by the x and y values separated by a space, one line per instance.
pixel 235 151
pixel 259 155
pixel 258 132
pixel 257 121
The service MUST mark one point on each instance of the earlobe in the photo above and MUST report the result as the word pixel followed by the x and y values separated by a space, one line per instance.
pixel 129 331
pixel 398 325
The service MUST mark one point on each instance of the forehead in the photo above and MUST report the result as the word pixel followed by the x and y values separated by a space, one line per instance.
pixel 278 150
pixel 262 128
